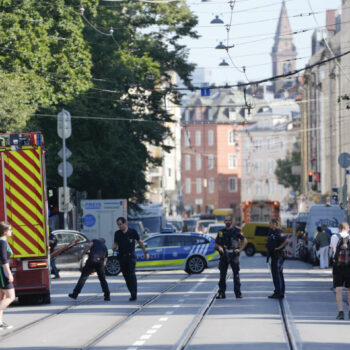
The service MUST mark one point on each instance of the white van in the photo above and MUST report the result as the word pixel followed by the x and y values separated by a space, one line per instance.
pixel 320 214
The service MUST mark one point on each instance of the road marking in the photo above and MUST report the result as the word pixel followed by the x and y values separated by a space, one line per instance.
pixel 146 336
pixel 181 300
pixel 169 312
pixel 163 319
pixel 139 342
pixel 152 331
pixel 176 305
pixel 132 349
pixel 157 326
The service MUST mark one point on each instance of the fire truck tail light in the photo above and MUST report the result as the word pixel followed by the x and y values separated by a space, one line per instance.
pixel 37 264
pixel 275 203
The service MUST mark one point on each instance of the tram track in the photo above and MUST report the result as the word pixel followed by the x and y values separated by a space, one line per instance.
pixel 61 311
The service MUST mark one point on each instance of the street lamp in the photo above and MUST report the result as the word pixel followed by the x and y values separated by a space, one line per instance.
pixel 217 20
pixel 223 63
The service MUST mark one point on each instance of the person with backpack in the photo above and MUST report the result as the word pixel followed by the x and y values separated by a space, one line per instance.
pixel 340 247
pixel 96 262
pixel 322 243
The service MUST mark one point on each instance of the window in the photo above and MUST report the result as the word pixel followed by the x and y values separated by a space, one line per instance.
pixel 271 186
pixel 270 166
pixel 281 143
pixel 173 241
pixel 187 115
pixel 258 188
pixel 187 139
pixel 232 137
pixel 269 143
pixel 258 143
pixel 261 231
pixel 198 138
pixel 198 113
pixel 232 161
pixel 198 162
pixel 188 185
pixel 232 184
pixel 259 166
pixel 232 115
pixel 210 114
pixel 210 161
pixel 169 172
pixel 187 162
pixel 210 138
pixel 199 185
pixel 211 185
pixel 155 242
pixel 246 166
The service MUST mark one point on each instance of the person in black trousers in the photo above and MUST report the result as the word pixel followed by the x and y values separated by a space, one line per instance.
pixel 124 240
pixel 229 243
pixel 96 262
pixel 276 243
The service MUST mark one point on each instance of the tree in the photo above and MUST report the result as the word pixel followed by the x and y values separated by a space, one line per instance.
pixel 109 63
pixel 283 171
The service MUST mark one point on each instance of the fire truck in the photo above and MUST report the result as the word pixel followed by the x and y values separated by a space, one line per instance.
pixel 23 205
pixel 260 211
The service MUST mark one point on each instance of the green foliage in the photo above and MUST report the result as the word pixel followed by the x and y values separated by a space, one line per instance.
pixel 283 171
pixel 118 83
pixel 16 106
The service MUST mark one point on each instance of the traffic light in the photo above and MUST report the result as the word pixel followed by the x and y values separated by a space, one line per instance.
pixel 61 201
pixel 310 176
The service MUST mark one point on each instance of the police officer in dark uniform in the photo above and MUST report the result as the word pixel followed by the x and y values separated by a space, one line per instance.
pixel 276 243
pixel 96 262
pixel 124 240
pixel 229 243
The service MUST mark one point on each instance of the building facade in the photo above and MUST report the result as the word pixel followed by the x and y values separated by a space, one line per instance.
pixel 211 151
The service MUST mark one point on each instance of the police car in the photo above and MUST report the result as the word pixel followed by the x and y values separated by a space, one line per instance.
pixel 192 252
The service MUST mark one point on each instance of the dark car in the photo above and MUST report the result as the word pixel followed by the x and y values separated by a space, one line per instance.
pixel 73 257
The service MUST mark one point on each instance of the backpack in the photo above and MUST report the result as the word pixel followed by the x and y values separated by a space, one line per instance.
pixel 342 252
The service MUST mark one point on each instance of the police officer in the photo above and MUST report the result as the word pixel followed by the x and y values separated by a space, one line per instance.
pixel 96 262
pixel 124 240
pixel 276 243
pixel 229 243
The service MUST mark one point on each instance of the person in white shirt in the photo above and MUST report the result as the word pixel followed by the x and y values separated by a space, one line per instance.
pixel 341 274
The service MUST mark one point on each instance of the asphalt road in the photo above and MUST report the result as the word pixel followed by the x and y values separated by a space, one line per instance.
pixel 174 309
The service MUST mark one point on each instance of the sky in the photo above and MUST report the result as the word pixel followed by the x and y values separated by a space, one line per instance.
pixel 252 30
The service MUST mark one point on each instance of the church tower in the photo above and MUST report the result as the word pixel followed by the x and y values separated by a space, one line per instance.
pixel 283 53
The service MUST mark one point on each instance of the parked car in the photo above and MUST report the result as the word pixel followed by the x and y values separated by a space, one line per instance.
pixel 256 234
pixel 202 225
pixel 176 221
pixel 189 225
pixel 213 229
pixel 73 257
pixel 192 252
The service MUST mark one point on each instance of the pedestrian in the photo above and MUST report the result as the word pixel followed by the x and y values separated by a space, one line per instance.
pixel 276 243
pixel 124 241
pixel 316 247
pixel 7 289
pixel 340 248
pixel 322 242
pixel 96 261
pixel 229 243
pixel 53 244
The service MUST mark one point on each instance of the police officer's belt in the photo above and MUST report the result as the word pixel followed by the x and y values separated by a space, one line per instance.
pixel 229 250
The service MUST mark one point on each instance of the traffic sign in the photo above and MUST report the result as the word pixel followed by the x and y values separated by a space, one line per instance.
pixel 69 169
pixel 64 126
pixel 344 160
pixel 205 91
pixel 68 153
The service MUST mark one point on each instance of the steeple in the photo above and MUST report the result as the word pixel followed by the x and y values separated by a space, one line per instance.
pixel 283 51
